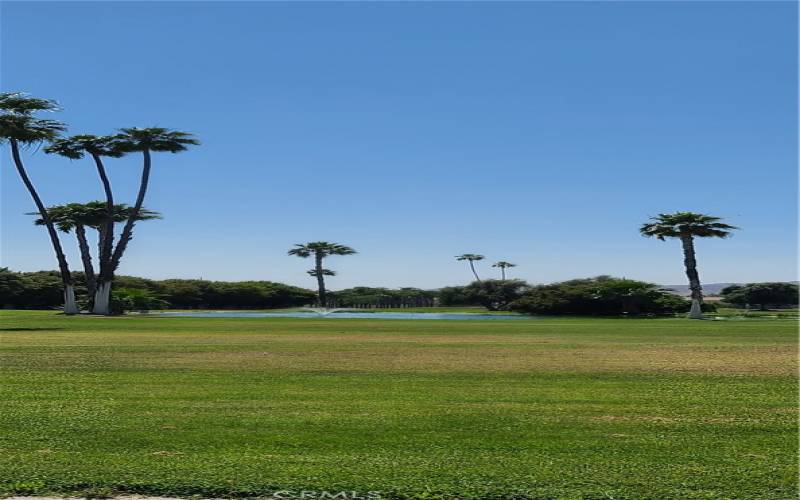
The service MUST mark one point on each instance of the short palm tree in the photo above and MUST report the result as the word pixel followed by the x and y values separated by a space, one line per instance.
pixel 320 250
pixel 471 258
pixel 75 148
pixel 687 226
pixel 19 127
pixel 503 265
pixel 79 216
pixel 146 141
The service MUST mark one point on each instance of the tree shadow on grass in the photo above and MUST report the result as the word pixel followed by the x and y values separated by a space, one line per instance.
pixel 26 329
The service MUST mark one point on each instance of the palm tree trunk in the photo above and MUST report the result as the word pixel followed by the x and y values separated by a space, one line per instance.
pixel 86 258
pixel 100 230
pixel 472 266
pixel 320 281
pixel 503 273
pixel 103 294
pixel 106 245
pixel 107 232
pixel 127 230
pixel 690 262
pixel 70 307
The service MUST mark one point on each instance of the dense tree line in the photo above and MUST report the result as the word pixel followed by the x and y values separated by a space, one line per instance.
pixel 366 297
pixel 602 295
pixel 43 290
pixel 762 295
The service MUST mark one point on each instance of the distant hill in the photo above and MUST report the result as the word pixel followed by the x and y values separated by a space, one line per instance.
pixel 708 288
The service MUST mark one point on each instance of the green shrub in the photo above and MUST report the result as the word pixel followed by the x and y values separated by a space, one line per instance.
pixel 135 299
pixel 603 295
pixel 764 295
pixel 495 295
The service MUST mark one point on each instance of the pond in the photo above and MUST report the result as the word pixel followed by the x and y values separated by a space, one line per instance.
pixel 343 315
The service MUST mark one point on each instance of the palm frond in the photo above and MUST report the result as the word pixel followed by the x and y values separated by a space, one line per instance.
pixel 153 139
pixel 76 146
pixel 321 248
pixel 28 130
pixel 22 104
pixel 503 264
pixel 91 214
pixel 325 272
pixel 681 224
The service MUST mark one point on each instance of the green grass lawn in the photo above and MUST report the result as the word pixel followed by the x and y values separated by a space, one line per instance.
pixel 547 408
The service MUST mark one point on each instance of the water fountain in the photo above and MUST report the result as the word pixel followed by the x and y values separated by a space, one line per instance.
pixel 343 313
pixel 322 311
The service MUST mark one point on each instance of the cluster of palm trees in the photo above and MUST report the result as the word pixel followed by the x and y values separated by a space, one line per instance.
pixel 79 217
pixel 475 257
pixel 20 127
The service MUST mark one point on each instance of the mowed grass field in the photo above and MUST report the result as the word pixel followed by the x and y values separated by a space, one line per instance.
pixel 547 408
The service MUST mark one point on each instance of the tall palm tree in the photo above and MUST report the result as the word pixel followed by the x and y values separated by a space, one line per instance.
pixel 320 250
pixel 19 127
pixel 503 265
pixel 687 226
pixel 146 141
pixel 75 148
pixel 471 258
pixel 78 217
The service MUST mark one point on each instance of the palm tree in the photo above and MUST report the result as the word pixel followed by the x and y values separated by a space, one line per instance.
pixel 472 258
pixel 19 127
pixel 79 216
pixel 686 226
pixel 144 140
pixel 75 148
pixel 320 250
pixel 503 265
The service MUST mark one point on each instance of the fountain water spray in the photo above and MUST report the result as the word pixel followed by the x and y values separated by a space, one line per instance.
pixel 323 311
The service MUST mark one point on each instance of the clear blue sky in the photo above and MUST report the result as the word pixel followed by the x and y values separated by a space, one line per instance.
pixel 539 133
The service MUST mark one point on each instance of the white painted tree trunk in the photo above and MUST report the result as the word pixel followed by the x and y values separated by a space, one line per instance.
pixel 696 312
pixel 70 306
pixel 102 298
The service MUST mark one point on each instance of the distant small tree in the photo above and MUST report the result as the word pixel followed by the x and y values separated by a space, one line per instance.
pixel 503 265
pixel 774 294
pixel 320 250
pixel 471 258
